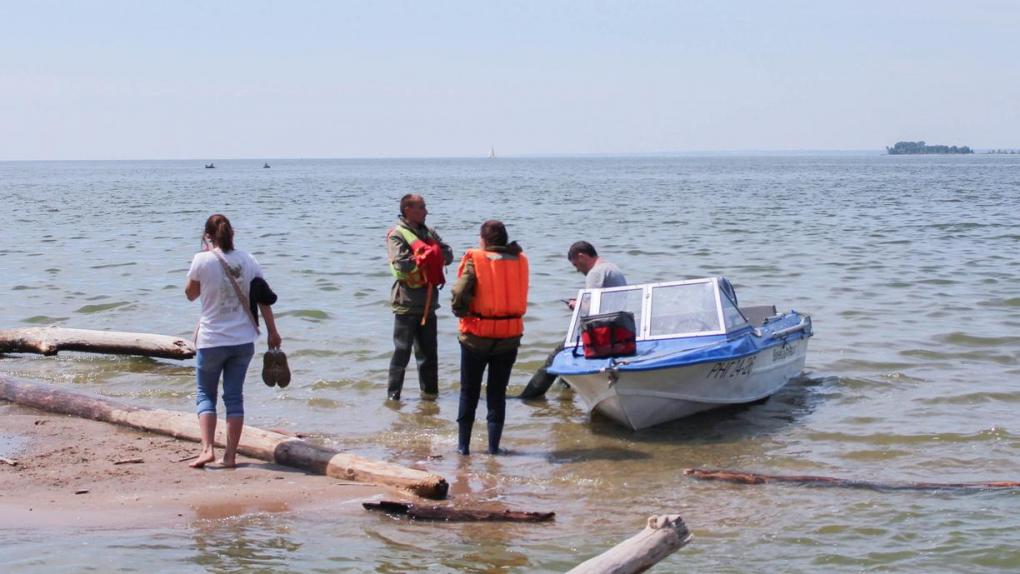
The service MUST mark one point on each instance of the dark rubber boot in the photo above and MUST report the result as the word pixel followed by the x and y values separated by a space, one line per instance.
pixel 541 380
pixel 538 385
pixel 395 383
pixel 464 437
pixel 495 434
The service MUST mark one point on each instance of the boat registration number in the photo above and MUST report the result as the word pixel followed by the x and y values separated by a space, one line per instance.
pixel 782 352
pixel 734 368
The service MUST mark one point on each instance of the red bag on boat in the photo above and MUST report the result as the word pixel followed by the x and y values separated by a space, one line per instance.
pixel 608 335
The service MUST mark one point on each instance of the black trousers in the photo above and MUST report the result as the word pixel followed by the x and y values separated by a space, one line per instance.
pixel 408 333
pixel 472 367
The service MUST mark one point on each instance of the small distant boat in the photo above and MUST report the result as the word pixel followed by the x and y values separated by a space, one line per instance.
pixel 693 350
pixel 492 152
pixel 209 166
pixel 265 166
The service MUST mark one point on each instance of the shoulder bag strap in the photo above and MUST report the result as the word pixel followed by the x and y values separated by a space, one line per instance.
pixel 237 289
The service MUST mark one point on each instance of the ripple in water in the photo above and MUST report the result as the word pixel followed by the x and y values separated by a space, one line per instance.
pixel 313 315
pixel 91 309
pixel 43 320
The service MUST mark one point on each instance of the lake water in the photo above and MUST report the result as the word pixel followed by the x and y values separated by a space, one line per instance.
pixel 908 266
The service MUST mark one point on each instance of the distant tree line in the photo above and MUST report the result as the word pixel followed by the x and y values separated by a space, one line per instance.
pixel 905 148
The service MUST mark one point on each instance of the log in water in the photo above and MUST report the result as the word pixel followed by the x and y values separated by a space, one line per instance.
pixel 810 480
pixel 51 340
pixel 453 514
pixel 662 536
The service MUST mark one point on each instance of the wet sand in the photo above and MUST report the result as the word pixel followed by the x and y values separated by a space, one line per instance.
pixel 66 476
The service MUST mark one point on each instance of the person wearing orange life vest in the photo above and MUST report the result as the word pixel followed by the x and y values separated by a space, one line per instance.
pixel 490 297
pixel 417 256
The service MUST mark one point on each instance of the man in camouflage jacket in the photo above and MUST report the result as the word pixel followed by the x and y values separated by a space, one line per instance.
pixel 412 301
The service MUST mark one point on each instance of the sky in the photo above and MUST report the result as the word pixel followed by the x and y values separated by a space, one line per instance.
pixel 302 79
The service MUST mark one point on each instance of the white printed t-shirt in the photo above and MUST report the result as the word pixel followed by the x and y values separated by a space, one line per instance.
pixel 224 320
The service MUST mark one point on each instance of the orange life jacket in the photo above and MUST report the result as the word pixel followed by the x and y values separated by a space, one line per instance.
pixel 501 294
pixel 428 257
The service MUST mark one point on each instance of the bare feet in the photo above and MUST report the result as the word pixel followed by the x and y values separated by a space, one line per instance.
pixel 228 462
pixel 203 459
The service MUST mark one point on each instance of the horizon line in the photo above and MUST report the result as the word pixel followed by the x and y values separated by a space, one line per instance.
pixel 534 155
pixel 541 155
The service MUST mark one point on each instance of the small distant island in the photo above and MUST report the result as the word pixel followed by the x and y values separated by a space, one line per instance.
pixel 911 148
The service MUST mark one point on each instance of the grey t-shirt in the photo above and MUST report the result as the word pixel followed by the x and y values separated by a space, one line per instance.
pixel 604 274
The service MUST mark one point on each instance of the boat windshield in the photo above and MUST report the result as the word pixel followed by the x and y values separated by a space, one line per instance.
pixel 682 309
pixel 629 299
pixel 665 310
pixel 582 310
pixel 731 314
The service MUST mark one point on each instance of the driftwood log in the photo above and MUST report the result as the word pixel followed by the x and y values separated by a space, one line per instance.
pixel 255 442
pixel 51 340
pixel 450 514
pixel 809 480
pixel 662 536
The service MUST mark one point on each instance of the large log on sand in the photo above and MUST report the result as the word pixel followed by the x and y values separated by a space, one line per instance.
pixel 256 443
pixel 741 477
pixel 50 340
pixel 662 536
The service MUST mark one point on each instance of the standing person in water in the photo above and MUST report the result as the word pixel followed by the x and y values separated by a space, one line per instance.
pixel 226 334
pixel 417 257
pixel 598 273
pixel 490 297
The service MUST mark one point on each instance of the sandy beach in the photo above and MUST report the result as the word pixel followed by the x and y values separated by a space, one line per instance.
pixel 67 475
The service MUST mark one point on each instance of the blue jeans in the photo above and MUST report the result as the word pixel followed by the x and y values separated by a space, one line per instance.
pixel 232 361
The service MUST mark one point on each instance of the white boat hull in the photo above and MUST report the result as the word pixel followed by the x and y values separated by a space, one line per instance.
pixel 641 399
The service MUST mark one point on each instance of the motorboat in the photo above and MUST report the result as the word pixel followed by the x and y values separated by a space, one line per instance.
pixel 210 166
pixel 693 349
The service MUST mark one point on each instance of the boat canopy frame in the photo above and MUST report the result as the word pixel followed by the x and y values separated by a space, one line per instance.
pixel 591 302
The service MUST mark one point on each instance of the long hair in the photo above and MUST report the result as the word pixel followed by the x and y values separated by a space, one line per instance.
pixel 220 232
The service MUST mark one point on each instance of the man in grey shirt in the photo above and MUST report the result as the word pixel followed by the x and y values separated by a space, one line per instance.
pixel 598 273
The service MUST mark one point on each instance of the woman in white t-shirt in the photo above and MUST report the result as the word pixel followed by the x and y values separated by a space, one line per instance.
pixel 226 333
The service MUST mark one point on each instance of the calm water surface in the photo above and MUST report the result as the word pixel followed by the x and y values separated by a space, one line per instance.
pixel 908 266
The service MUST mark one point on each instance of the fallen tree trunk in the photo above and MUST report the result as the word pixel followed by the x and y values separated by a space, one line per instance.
pixel 450 514
pixel 809 480
pixel 255 442
pixel 662 536
pixel 51 340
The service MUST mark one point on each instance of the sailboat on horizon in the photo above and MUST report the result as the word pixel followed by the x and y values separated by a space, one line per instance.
pixel 492 152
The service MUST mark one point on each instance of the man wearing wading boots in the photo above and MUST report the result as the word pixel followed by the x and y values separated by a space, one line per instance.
pixel 598 273
pixel 417 256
